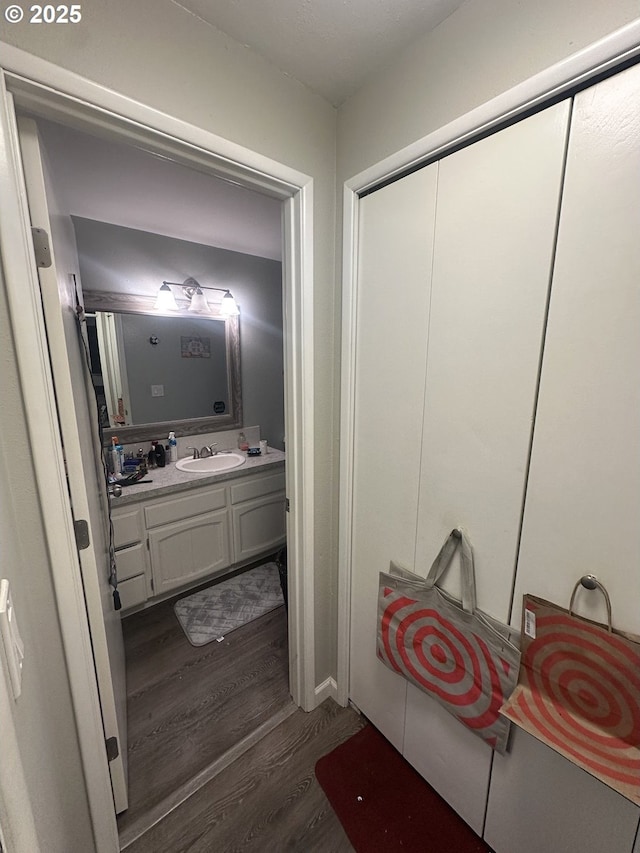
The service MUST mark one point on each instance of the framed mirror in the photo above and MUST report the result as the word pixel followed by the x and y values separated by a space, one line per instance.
pixel 159 371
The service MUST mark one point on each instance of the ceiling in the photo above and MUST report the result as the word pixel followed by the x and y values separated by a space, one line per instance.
pixel 99 179
pixel 331 46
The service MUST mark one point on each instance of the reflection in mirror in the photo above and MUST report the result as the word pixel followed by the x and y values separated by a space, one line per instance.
pixel 155 372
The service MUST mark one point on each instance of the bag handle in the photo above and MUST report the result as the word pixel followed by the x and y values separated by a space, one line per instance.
pixel 441 564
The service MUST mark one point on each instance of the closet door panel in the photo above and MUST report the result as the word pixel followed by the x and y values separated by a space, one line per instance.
pixel 541 803
pixel 396 235
pixel 583 497
pixel 454 761
pixel 495 236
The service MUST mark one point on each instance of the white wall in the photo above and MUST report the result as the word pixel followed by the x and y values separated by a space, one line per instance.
pixel 155 52
pixel 480 51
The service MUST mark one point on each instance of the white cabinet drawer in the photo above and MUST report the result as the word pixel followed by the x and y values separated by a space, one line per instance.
pixel 127 525
pixel 258 526
pixel 133 591
pixel 130 561
pixel 255 487
pixel 186 506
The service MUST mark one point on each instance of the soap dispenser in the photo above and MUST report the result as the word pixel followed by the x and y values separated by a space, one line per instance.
pixel 243 444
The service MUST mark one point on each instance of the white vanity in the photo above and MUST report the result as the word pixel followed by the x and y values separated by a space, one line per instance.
pixel 183 528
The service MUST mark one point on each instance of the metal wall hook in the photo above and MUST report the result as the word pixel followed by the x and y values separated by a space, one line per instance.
pixel 591 582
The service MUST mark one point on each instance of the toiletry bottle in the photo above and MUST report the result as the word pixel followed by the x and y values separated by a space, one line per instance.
pixel 161 456
pixel 116 467
pixel 243 444
pixel 120 452
pixel 151 458
pixel 173 447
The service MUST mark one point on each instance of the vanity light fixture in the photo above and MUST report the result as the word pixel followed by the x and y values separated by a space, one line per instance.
pixel 165 301
pixel 192 290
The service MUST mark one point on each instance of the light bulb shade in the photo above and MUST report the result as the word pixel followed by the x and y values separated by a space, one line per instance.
pixel 165 301
pixel 199 303
pixel 228 306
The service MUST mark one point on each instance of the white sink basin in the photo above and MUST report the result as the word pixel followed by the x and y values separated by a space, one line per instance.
pixel 211 464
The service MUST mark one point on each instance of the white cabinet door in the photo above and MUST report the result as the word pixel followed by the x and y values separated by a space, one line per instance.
pixel 396 232
pixel 583 497
pixel 187 550
pixel 259 526
pixel 495 236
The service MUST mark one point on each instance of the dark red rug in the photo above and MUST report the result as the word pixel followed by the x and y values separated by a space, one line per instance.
pixel 384 805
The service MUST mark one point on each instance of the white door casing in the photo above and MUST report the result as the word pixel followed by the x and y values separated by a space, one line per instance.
pixel 78 416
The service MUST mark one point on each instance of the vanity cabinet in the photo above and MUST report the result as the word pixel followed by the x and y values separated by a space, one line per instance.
pixel 170 542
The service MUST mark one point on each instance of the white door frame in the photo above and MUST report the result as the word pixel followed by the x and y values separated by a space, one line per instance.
pixel 597 58
pixel 55 93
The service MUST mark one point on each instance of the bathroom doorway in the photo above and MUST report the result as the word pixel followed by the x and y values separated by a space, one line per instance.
pixel 297 682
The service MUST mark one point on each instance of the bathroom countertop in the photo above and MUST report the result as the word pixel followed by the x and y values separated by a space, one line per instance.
pixel 169 480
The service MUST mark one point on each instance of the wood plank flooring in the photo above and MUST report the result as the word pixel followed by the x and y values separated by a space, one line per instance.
pixel 268 800
pixel 187 707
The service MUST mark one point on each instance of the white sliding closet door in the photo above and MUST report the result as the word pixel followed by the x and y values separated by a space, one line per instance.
pixel 495 235
pixel 394 275
pixel 583 498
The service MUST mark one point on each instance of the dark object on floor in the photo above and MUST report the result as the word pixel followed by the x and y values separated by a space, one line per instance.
pixel 281 563
pixel 384 805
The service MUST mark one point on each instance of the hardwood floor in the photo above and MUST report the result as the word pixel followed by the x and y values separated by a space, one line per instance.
pixel 191 710
pixel 268 800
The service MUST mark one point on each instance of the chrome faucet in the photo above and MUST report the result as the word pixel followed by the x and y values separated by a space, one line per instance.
pixel 208 450
pixel 196 452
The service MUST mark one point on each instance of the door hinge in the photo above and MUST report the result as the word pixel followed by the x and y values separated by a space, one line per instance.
pixel 81 528
pixel 41 247
pixel 113 751
pixel 286 504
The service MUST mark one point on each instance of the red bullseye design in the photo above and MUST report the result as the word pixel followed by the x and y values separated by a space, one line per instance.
pixel 581 694
pixel 447 660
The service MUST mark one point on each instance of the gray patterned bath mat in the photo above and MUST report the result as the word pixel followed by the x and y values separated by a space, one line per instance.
pixel 213 612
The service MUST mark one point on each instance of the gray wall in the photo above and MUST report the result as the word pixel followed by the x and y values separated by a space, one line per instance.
pixel 124 260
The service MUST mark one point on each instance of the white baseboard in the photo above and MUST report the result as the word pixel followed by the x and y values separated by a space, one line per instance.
pixel 328 689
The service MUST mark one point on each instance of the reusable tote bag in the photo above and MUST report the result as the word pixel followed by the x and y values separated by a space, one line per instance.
pixel 579 690
pixel 462 658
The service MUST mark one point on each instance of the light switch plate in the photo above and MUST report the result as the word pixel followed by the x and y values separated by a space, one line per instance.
pixel 11 639
pixel 157 390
